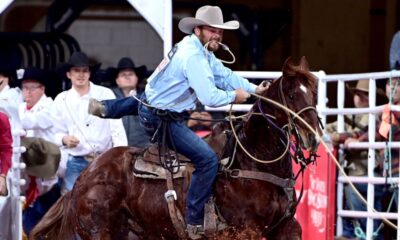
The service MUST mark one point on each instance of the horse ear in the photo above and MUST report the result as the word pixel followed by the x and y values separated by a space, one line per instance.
pixel 287 68
pixel 304 64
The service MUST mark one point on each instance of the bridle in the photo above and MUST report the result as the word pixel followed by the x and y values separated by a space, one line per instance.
pixel 291 127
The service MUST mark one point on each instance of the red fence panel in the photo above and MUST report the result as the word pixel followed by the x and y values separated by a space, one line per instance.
pixel 316 211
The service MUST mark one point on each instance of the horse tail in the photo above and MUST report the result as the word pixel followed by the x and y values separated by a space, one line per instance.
pixel 54 224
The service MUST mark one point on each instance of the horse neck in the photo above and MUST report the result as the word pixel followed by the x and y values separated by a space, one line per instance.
pixel 264 142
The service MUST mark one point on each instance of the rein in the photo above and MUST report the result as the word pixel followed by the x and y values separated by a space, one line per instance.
pixel 292 127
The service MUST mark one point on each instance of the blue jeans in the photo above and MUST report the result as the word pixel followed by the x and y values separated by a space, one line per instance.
pixel 353 202
pixel 199 152
pixel 75 165
pixel 120 107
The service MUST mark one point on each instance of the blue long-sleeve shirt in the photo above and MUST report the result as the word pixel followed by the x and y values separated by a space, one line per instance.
pixel 194 73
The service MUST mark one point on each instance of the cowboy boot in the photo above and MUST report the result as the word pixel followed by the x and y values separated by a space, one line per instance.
pixel 97 108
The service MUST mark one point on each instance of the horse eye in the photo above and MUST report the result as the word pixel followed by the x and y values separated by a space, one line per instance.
pixel 291 96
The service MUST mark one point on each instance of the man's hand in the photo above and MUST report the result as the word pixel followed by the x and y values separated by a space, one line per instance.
pixel 193 122
pixel 3 185
pixel 264 85
pixel 350 140
pixel 241 96
pixel 200 115
pixel 70 141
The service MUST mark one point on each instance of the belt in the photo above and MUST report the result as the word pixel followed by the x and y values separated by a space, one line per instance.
pixel 89 157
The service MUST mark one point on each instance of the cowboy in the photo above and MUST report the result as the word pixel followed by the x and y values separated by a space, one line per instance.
pixel 356 127
pixel 195 74
pixel 389 130
pixel 192 73
pixel 36 119
pixel 128 78
pixel 82 135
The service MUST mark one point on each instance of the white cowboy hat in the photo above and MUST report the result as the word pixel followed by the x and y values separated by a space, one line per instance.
pixel 206 16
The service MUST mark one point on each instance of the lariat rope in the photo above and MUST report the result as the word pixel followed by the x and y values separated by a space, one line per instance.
pixel 225 47
pixel 247 153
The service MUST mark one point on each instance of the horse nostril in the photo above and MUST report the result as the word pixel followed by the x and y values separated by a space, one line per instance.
pixel 312 140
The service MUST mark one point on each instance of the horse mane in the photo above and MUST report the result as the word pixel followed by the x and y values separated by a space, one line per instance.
pixel 56 223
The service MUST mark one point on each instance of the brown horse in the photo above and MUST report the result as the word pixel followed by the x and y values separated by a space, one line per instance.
pixel 255 197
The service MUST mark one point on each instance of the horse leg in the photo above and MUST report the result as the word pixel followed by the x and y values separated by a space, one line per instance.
pixel 101 213
pixel 287 230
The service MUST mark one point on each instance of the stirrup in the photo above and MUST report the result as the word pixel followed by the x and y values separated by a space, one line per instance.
pixel 195 231
pixel 213 220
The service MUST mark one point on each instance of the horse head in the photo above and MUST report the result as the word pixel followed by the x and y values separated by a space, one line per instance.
pixel 296 89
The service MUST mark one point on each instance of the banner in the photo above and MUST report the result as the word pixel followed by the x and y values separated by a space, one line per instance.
pixel 316 210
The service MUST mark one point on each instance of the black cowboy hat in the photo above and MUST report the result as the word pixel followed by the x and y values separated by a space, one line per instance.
pixel 32 73
pixel 77 59
pixel 8 70
pixel 127 63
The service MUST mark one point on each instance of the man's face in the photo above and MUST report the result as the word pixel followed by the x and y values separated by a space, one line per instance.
pixel 3 81
pixel 210 34
pixel 32 91
pixel 127 79
pixel 360 99
pixel 79 76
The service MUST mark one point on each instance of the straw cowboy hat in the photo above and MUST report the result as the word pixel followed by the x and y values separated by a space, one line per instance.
pixel 127 63
pixel 207 16
pixel 363 86
pixel 41 157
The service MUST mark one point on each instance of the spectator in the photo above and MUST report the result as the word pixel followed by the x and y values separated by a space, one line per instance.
pixel 394 54
pixel 83 136
pixel 357 161
pixel 10 98
pixel 389 129
pixel 128 78
pixel 5 152
pixel 35 115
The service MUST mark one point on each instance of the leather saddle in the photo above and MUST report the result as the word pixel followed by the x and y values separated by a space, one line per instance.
pixel 148 165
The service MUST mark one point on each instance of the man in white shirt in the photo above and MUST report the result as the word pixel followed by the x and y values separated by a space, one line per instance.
pixel 10 98
pixel 84 136
pixel 36 119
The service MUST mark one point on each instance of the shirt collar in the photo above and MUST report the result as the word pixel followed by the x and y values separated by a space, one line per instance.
pixel 76 94
pixel 5 89
pixel 196 41
pixel 200 46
